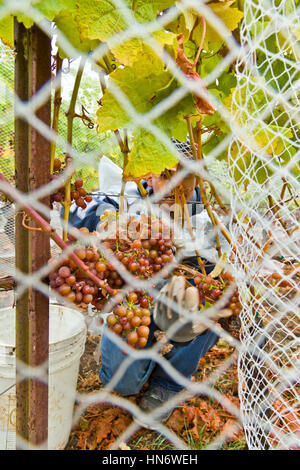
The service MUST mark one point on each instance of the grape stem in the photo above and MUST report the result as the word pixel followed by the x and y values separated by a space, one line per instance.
pixel 12 194
pixel 125 151
pixel 197 152
pixel 275 209
pixel 56 108
pixel 70 118
pixel 213 189
pixel 201 43
pixel 285 186
pixel 218 199
pixel 204 198
pixel 190 228
pixel 178 207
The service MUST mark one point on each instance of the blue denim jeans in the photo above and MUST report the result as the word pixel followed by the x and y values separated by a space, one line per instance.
pixel 184 357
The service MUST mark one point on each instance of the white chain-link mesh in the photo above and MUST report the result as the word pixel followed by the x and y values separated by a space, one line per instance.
pixel 263 123
pixel 266 101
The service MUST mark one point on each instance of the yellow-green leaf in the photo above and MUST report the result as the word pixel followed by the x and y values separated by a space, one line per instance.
pixel 140 84
pixel 147 156
pixel 65 21
pixel 7 31
pixel 230 16
pixel 136 49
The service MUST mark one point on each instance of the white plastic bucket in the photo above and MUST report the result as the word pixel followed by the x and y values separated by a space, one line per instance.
pixel 67 335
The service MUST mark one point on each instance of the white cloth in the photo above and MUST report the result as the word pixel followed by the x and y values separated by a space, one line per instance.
pixel 110 181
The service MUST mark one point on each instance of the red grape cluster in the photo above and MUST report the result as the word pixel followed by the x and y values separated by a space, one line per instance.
pixel 211 289
pixel 74 284
pixel 58 196
pixel 131 320
pixel 234 303
pixel 141 257
pixel 78 193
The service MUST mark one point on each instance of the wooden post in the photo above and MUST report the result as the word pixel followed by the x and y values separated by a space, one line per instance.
pixel 32 154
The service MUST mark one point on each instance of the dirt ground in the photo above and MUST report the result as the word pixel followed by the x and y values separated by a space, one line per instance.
pixel 198 422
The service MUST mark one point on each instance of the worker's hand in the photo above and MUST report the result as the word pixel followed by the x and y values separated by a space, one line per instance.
pixel 165 315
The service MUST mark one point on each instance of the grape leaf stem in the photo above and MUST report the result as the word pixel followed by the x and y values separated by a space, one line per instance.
pixel 70 118
pixel 56 108
pixel 275 209
pixel 201 43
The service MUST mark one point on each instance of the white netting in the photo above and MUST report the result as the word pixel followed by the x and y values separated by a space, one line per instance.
pixel 266 101
pixel 7 164
pixel 261 138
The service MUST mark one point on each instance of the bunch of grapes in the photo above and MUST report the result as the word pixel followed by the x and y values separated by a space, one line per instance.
pixel 131 319
pixel 234 303
pixel 74 284
pixel 211 289
pixel 143 258
pixel 59 195
pixel 78 193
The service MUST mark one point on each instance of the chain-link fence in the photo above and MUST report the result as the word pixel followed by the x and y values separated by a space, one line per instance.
pixel 178 96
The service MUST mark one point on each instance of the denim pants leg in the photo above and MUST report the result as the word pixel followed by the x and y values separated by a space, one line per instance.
pixel 184 357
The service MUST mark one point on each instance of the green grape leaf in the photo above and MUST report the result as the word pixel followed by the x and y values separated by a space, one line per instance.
pixel 147 156
pixel 286 157
pixel 101 19
pixel 146 87
pixel 190 20
pixel 247 167
pixel 65 21
pixel 136 49
pixel 51 8
pixel 173 121
pixel 208 64
pixel 225 81
pixel 148 10
pixel 241 105
pixel 273 139
pixel 140 85
pixel 185 23
pixel 190 50
pixel 212 144
pixel 7 31
pixel 48 8
pixel 230 17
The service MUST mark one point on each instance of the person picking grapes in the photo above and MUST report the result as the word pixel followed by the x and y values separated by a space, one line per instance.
pixel 188 343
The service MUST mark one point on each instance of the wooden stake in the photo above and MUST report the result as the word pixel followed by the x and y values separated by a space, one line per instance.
pixel 32 163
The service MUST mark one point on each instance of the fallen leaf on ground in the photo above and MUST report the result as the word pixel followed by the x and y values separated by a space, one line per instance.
pixel 124 446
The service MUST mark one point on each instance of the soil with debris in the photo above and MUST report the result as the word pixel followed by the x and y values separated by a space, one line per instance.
pixel 198 421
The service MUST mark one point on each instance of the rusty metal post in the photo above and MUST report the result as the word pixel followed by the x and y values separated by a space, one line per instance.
pixel 32 163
